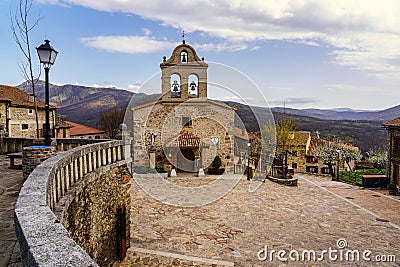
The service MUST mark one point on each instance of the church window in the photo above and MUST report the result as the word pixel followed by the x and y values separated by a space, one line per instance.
pixel 186 121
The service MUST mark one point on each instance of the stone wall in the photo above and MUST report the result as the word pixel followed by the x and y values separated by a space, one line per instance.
pixel 90 213
pixel 50 188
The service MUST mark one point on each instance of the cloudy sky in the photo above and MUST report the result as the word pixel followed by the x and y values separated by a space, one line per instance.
pixel 304 53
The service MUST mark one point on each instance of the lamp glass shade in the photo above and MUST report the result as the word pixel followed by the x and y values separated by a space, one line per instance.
pixel 47 54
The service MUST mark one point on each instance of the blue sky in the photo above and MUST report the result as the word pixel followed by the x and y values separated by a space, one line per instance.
pixel 322 54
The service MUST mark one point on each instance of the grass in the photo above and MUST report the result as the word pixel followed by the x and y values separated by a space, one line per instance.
pixel 350 177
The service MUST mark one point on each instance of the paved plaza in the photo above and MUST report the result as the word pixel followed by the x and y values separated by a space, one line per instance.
pixel 312 216
pixel 235 228
pixel 10 183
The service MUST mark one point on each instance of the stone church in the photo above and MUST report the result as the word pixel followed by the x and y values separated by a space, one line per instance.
pixel 183 129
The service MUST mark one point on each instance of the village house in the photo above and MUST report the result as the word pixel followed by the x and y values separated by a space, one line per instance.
pixel 302 158
pixel 184 128
pixel 85 132
pixel 393 128
pixel 17 113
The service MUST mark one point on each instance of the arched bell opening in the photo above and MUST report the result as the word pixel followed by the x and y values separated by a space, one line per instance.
pixel 193 85
pixel 184 57
pixel 175 86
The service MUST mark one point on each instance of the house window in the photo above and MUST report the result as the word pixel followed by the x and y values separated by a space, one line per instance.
pixel 325 170
pixel 186 121
pixel 294 165
pixel 24 126
pixel 311 159
pixel 30 111
pixel 312 169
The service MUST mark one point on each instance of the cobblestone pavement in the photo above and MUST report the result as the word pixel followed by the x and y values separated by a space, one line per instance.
pixel 240 224
pixel 10 183
pixel 384 207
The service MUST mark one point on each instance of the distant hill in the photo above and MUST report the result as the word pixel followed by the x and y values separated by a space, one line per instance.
pixel 344 114
pixel 364 134
pixel 83 104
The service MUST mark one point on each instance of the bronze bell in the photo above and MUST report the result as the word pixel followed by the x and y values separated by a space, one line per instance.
pixel 192 86
pixel 184 58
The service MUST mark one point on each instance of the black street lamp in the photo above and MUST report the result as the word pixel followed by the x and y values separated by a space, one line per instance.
pixel 337 164
pixel 47 55
pixel 248 161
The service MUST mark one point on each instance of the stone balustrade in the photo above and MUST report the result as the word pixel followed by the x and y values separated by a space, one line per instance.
pixel 43 239
pixel 15 144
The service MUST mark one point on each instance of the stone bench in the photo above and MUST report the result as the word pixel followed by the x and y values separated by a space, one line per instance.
pixel 12 157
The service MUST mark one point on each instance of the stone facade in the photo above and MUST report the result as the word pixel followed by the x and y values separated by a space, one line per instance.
pixel 22 122
pixel 184 112
pixel 393 128
pixel 78 189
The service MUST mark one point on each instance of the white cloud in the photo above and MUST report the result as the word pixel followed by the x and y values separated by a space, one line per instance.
pixel 135 87
pixel 362 33
pixel 127 44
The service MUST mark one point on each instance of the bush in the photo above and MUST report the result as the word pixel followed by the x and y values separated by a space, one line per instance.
pixel 144 170
pixel 216 162
pixel 160 170
pixel 392 187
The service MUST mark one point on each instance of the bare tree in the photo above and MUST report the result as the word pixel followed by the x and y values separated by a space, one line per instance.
pixel 110 120
pixel 21 28
pixel 284 130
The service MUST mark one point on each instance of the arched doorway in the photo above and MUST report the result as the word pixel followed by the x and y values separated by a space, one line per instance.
pixel 186 160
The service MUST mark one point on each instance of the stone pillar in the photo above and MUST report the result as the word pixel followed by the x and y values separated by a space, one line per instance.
pixel 32 156
pixel 173 173
pixel 201 172
pixel 152 159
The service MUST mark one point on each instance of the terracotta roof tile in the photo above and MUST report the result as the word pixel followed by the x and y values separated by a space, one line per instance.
pixel 392 123
pixel 300 138
pixel 79 129
pixel 18 97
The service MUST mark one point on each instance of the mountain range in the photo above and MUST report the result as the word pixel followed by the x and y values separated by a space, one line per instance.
pixel 83 104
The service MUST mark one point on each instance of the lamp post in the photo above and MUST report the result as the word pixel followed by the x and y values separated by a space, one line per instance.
pixel 248 161
pixel 47 55
pixel 337 164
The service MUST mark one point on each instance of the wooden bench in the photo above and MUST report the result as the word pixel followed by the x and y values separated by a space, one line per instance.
pixel 12 157
pixel 374 180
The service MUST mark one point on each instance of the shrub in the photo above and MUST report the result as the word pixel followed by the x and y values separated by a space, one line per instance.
pixel 217 162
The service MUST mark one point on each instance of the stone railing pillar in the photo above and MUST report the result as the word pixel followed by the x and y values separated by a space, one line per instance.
pixel 32 156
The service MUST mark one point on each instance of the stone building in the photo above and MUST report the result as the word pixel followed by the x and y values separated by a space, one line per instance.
pixel 302 158
pixel 393 128
pixel 184 128
pixel 17 114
